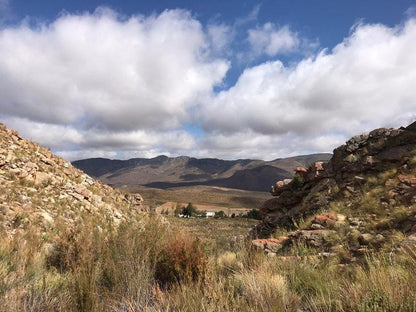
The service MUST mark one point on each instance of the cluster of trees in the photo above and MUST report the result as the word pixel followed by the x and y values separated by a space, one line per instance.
pixel 191 211
pixel 188 210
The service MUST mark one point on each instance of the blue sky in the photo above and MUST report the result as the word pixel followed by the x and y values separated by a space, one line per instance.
pixel 229 79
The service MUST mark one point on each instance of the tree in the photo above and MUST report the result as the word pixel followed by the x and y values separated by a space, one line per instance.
pixel 189 210
pixel 253 214
pixel 219 214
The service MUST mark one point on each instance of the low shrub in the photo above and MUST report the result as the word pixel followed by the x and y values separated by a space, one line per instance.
pixel 182 259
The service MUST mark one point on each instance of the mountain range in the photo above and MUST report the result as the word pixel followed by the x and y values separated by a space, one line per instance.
pixel 166 172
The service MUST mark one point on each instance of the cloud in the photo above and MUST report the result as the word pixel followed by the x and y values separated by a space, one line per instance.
pixel 367 81
pixel 272 40
pixel 220 35
pixel 105 85
pixel 78 143
pixel 101 71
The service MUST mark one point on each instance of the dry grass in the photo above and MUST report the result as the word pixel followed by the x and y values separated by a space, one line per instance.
pixel 146 265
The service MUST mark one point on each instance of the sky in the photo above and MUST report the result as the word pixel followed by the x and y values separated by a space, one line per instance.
pixel 224 79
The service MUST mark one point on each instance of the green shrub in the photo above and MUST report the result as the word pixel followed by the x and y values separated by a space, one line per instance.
pixel 253 214
pixel 297 181
pixel 220 214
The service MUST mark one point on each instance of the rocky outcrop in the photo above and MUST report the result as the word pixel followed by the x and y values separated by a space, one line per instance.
pixel 353 164
pixel 318 234
pixel 37 187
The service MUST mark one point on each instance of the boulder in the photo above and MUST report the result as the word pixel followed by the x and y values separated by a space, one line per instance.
pixel 271 245
pixel 314 238
pixel 365 239
pixel 41 177
pixel 134 199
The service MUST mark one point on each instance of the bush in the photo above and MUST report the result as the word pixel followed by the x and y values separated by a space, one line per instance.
pixel 188 211
pixel 297 181
pixel 182 259
pixel 220 214
pixel 253 214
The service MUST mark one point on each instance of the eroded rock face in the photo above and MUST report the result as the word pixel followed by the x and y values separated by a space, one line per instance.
pixel 360 158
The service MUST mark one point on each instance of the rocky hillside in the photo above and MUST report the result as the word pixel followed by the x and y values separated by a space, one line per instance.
pixel 164 172
pixel 38 188
pixel 365 196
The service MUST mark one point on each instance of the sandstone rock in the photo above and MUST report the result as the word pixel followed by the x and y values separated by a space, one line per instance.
pixel 280 187
pixel 316 226
pixel 315 238
pixel 47 216
pixel 48 161
pixel 96 200
pixel 86 193
pixel 76 196
pixel 41 177
pixel 379 239
pixel 79 188
pixel 271 245
pixel 23 174
pixel 136 200
pixel 357 141
pixel 325 219
pixel 365 238
pixel 408 180
pixel 319 166
pixel 354 223
pixel 118 215
pixel 317 171
pixel 300 171
pixel 341 217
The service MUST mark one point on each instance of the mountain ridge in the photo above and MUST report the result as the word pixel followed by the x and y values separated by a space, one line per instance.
pixel 166 172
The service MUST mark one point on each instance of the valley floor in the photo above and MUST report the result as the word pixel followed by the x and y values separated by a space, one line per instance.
pixel 204 198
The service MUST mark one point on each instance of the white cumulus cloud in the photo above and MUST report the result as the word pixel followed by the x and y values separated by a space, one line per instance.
pixel 101 71
pixel 367 81
pixel 271 40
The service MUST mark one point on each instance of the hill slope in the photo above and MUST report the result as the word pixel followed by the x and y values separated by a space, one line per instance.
pixel 40 189
pixel 165 172
pixel 367 192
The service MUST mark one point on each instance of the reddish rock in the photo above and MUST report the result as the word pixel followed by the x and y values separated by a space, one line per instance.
pixel 76 195
pixel 270 244
pixel 325 219
pixel 86 193
pixel 301 171
pixel 319 166
pixel 23 174
pixel 79 188
pixel 409 180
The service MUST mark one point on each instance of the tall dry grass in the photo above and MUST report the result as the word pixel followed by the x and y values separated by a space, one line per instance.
pixel 145 265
